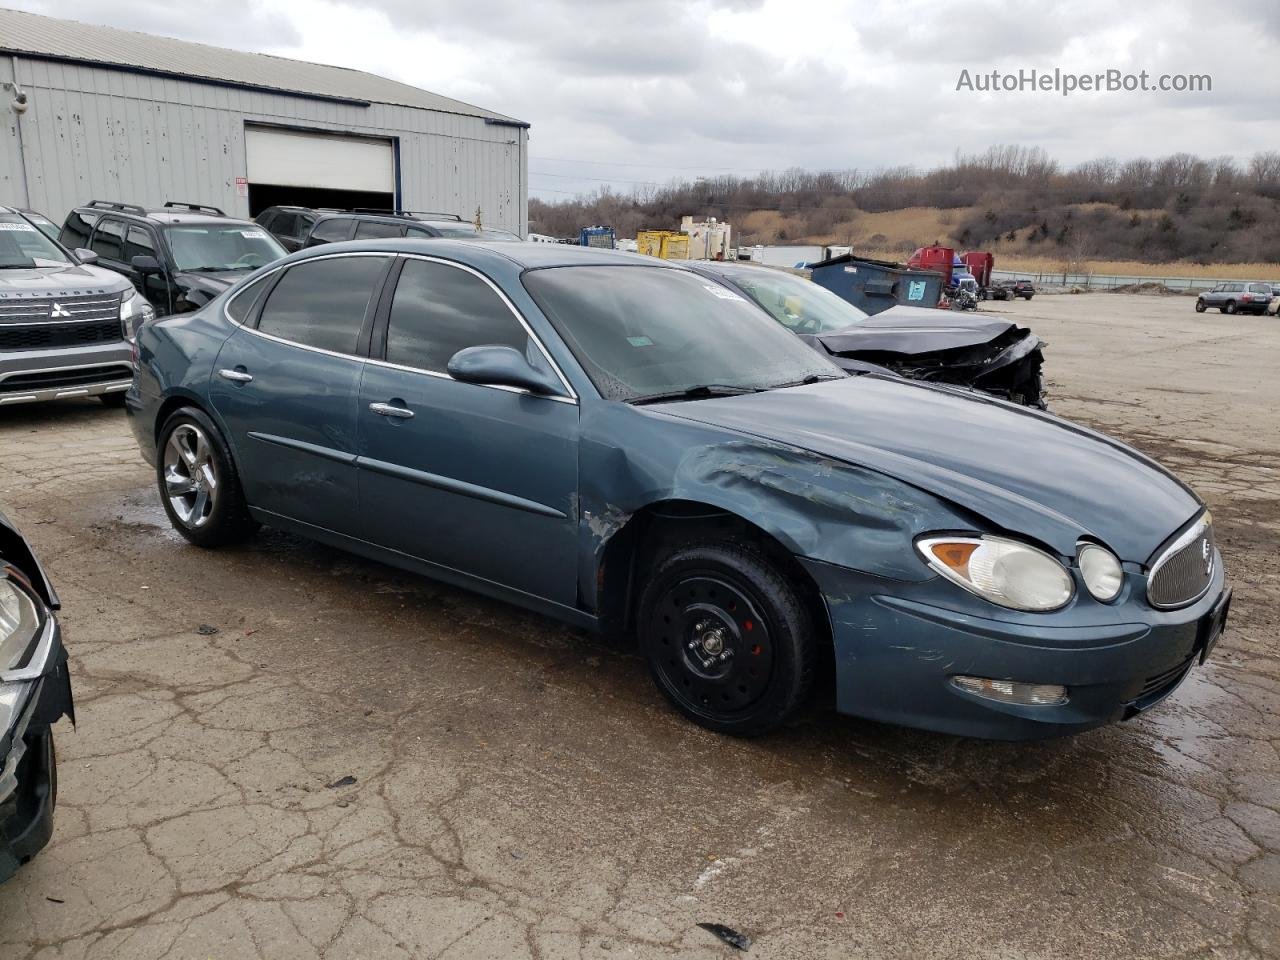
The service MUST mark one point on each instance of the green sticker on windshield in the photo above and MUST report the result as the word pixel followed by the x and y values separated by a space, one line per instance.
pixel 640 341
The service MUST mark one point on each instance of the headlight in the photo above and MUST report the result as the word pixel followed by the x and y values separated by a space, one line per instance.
pixel 1006 572
pixel 1101 571
pixel 19 624
pixel 134 312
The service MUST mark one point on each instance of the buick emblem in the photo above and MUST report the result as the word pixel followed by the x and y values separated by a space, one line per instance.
pixel 1207 555
pixel 58 310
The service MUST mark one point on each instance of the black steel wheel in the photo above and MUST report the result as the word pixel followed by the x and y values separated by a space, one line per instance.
pixel 199 485
pixel 727 637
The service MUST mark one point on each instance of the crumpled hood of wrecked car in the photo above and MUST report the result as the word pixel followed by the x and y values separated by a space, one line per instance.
pixel 1026 472
pixel 912 331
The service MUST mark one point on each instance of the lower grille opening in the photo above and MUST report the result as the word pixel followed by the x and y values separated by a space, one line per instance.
pixel 62 335
pixel 54 379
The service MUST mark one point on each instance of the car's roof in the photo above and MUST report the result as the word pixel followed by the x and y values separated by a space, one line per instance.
pixel 521 252
pixel 165 216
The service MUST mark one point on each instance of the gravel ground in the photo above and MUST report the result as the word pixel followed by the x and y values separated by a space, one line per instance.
pixel 522 791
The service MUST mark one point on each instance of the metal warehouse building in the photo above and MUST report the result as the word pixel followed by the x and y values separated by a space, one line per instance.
pixel 92 112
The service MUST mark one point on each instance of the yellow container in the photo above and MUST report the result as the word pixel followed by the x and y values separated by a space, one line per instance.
pixel 675 246
pixel 649 242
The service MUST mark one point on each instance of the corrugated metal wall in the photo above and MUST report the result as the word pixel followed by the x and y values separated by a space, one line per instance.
pixel 109 134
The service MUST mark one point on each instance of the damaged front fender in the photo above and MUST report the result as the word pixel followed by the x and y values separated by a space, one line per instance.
pixel 814 506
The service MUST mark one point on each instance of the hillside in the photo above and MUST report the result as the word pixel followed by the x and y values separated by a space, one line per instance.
pixel 1012 201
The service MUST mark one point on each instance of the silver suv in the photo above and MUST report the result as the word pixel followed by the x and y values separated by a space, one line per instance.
pixel 1237 296
pixel 65 325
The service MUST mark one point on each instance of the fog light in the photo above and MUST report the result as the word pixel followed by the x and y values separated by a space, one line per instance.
pixel 1007 691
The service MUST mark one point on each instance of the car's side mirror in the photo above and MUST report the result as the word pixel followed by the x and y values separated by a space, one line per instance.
pixel 497 366
pixel 85 256
pixel 145 264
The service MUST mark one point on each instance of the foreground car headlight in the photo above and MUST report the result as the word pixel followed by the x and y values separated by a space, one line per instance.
pixel 1006 572
pixel 19 624
pixel 134 312
pixel 1101 571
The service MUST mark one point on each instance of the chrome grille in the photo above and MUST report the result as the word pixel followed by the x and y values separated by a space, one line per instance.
pixel 35 323
pixel 1184 571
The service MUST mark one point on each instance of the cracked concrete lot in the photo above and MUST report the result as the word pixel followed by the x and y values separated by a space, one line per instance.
pixel 522 791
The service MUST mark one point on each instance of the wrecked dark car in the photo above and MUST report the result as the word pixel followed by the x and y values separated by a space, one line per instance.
pixel 563 428
pixel 35 692
pixel 978 351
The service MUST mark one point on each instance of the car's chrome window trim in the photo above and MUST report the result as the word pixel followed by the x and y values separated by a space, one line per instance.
pixel 294 343
pixel 572 396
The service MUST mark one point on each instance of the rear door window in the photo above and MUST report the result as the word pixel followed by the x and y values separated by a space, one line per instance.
pixel 108 239
pixel 330 231
pixel 241 305
pixel 322 303
pixel 1262 288
pixel 373 229
pixel 439 309
pixel 77 230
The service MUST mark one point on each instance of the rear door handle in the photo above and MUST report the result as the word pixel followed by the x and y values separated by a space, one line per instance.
pixel 237 376
pixel 391 410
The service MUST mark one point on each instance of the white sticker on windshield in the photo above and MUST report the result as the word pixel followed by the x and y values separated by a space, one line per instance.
pixel 253 234
pixel 16 227
pixel 722 292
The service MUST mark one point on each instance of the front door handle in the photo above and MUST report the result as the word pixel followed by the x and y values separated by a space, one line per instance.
pixel 391 410
pixel 237 376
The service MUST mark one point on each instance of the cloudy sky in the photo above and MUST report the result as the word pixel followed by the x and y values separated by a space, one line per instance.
pixel 637 92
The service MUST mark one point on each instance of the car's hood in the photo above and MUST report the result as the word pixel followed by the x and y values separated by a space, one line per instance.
pixel 65 279
pixel 1025 471
pixel 211 283
pixel 912 331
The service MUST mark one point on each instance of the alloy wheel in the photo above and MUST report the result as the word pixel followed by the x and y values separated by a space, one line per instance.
pixel 190 477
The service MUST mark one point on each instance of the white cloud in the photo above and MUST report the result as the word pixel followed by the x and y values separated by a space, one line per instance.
pixel 634 91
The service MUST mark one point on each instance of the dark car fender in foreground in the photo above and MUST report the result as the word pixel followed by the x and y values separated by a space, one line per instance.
pixel 34 694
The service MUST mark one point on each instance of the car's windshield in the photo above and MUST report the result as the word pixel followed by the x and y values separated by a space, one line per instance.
pixel 467 231
pixel 22 246
pixel 651 331
pixel 798 304
pixel 43 224
pixel 214 247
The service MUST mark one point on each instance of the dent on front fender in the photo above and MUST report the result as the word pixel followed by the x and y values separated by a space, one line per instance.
pixel 815 507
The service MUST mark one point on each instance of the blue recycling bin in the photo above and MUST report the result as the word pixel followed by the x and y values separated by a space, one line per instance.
pixel 877 285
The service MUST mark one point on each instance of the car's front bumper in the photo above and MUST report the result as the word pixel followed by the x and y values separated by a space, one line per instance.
pixel 28 774
pixel 898 645
pixel 32 376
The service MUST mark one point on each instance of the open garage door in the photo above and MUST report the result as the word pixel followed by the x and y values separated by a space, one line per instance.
pixel 318 170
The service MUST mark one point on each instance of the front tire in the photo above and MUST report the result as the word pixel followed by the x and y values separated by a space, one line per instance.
pixel 1200 306
pixel 198 482
pixel 728 637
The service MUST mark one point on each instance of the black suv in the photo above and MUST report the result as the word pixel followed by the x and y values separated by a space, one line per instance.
pixel 179 256
pixel 291 225
pixel 368 224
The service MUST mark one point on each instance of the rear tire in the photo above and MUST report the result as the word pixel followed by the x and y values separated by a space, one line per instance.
pixel 199 485
pixel 1230 307
pixel 728 637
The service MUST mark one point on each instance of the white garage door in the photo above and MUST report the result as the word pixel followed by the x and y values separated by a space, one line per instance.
pixel 293 159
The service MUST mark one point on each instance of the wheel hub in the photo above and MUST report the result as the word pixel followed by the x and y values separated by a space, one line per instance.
pixel 717 654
